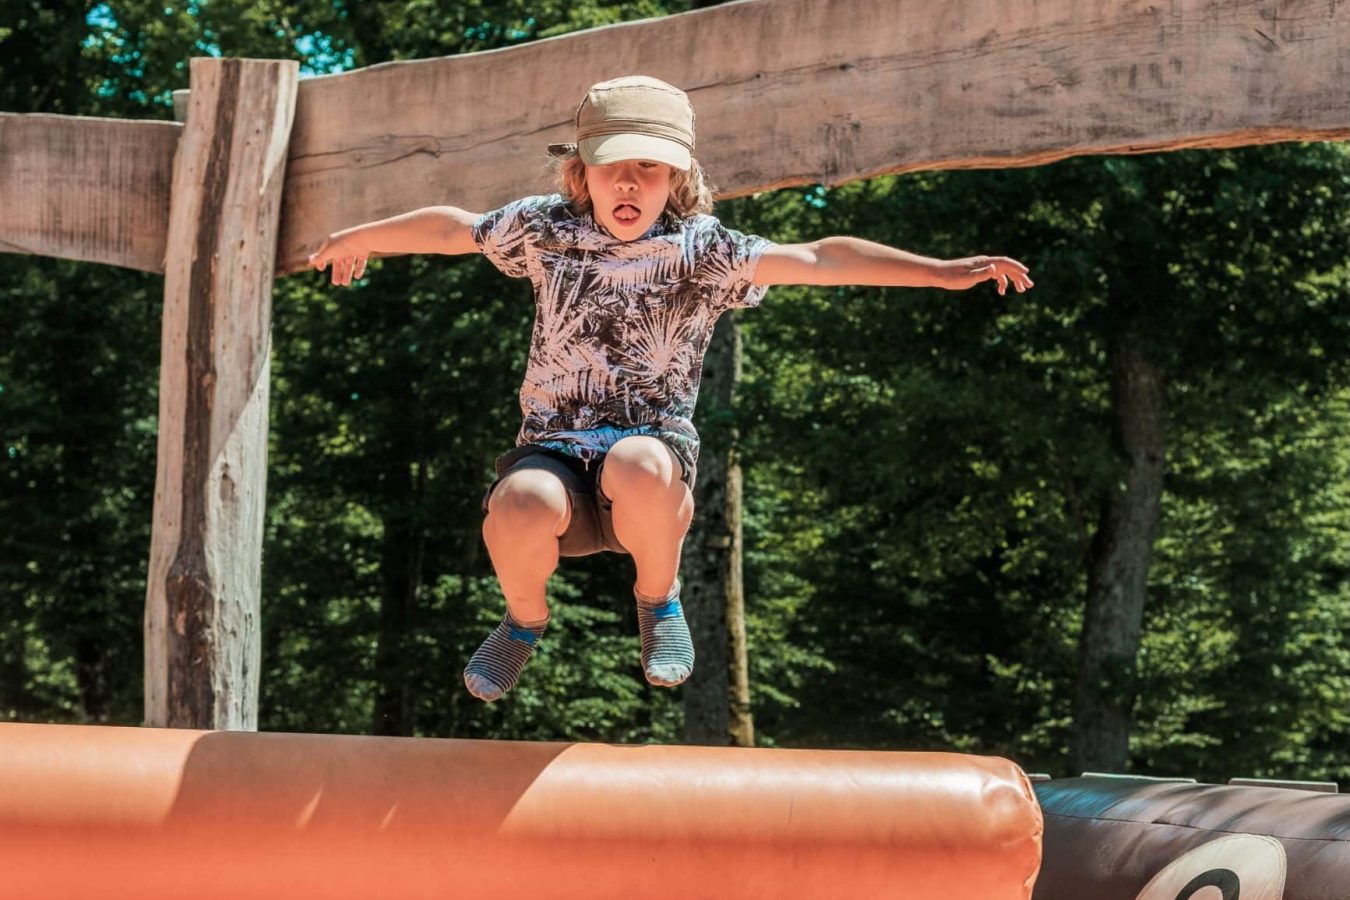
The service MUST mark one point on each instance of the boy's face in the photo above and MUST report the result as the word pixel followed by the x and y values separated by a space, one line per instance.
pixel 628 196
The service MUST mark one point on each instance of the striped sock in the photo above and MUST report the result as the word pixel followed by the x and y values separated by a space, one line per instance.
pixel 667 649
pixel 496 664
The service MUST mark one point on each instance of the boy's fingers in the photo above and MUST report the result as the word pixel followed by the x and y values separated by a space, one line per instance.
pixel 1009 262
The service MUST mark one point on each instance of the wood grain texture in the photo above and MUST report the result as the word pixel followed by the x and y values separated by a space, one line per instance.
pixel 202 605
pixel 802 91
pixel 786 92
pixel 83 188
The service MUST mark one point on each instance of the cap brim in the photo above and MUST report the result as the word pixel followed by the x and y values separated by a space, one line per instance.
pixel 611 148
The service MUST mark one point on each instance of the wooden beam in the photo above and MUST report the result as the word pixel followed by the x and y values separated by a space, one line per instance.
pixel 794 92
pixel 95 190
pixel 180 104
pixel 202 623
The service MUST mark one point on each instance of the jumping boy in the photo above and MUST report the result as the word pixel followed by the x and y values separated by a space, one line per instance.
pixel 630 273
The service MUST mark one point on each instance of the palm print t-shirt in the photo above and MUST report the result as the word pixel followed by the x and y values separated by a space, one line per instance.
pixel 620 327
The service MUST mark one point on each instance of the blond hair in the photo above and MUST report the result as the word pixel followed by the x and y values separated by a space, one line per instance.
pixel 690 192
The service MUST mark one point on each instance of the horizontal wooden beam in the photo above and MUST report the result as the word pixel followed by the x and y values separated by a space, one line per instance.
pixel 794 92
pixel 85 188
pixel 791 92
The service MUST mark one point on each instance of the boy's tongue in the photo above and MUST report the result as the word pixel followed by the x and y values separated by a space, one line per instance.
pixel 626 213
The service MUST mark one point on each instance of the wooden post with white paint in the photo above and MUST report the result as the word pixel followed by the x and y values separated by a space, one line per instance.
pixel 202 628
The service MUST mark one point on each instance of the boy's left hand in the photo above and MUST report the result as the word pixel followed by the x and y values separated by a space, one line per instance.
pixel 968 272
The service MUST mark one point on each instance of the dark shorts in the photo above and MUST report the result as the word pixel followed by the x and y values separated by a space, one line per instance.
pixel 591 529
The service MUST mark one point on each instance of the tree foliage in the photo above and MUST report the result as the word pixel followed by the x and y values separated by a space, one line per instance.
pixel 925 469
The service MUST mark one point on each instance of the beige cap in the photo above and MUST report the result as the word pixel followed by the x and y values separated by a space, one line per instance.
pixel 635 117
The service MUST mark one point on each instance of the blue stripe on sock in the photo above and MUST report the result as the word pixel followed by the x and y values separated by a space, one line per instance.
pixel 522 634
pixel 667 610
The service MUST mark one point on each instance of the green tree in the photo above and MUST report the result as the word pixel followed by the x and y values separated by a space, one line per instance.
pixel 929 475
pixel 958 465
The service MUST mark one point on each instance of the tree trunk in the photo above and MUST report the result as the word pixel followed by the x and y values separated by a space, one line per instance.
pixel 717 695
pixel 402 552
pixel 1118 563
pixel 83 580
pixel 401 570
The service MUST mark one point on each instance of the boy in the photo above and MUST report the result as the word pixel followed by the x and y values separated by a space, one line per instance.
pixel 630 273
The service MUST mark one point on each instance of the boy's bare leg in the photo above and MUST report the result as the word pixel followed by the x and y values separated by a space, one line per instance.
pixel 651 512
pixel 652 508
pixel 527 512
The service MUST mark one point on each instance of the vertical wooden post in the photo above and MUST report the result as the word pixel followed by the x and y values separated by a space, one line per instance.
pixel 741 724
pixel 717 695
pixel 202 642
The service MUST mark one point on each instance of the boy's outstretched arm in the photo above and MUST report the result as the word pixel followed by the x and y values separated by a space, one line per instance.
pixel 432 229
pixel 850 260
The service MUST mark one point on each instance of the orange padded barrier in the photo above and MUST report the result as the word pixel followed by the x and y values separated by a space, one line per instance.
pixel 113 813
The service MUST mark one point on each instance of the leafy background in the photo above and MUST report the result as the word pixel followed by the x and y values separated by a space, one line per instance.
pixel 924 469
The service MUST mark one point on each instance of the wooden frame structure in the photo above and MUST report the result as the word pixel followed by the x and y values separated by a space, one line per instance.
pixel 263 165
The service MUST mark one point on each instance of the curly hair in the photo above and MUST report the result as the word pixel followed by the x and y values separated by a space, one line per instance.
pixel 690 192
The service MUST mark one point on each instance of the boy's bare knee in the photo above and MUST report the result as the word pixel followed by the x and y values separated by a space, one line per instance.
pixel 639 464
pixel 528 500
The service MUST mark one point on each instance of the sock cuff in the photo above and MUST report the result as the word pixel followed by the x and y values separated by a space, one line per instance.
pixel 647 600
pixel 513 622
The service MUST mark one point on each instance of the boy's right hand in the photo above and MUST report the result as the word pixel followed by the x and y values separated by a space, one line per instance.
pixel 347 257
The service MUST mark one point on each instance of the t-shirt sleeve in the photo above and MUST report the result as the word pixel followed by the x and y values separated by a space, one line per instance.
pixel 505 235
pixel 728 263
